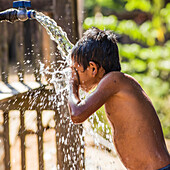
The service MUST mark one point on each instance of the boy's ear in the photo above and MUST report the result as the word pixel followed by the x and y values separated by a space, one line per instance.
pixel 93 68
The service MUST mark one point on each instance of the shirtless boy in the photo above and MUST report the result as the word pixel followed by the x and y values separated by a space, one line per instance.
pixel 137 132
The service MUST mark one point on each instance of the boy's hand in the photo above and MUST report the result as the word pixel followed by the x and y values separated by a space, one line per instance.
pixel 74 89
pixel 75 77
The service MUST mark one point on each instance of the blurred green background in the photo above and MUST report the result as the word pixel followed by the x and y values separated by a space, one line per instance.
pixel 143 32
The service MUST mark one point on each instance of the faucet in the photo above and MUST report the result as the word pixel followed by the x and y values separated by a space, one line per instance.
pixel 20 14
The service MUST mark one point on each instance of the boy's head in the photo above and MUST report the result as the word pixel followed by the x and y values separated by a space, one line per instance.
pixel 99 47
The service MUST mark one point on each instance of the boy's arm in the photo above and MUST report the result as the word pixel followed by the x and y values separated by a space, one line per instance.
pixel 81 110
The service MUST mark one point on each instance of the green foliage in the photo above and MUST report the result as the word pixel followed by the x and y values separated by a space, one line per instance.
pixel 91 5
pixel 143 5
pixel 144 34
pixel 148 60
pixel 165 13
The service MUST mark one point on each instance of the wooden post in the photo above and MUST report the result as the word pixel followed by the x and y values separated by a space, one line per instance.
pixel 59 147
pixel 4 54
pixel 22 136
pixel 46 45
pixel 40 140
pixel 80 16
pixel 75 24
pixel 6 141
pixel 0 53
pixel 19 50
pixel 36 37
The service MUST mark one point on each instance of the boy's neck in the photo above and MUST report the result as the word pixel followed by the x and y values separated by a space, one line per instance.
pixel 101 73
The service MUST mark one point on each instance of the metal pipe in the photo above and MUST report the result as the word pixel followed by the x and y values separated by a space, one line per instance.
pixel 9 15
pixel 21 14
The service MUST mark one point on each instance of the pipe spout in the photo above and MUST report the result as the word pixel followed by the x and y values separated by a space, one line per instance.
pixel 20 14
pixel 9 15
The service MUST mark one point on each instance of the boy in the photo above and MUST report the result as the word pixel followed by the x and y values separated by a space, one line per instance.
pixel 137 133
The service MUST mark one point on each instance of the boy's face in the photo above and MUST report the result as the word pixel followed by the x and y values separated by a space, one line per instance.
pixel 86 77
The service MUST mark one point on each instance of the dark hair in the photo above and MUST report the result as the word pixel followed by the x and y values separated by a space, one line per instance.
pixel 97 46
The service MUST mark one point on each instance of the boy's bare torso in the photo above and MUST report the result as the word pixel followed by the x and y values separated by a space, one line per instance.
pixel 137 132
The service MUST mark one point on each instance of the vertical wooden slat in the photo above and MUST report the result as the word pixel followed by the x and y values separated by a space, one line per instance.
pixel 37 48
pixel 46 49
pixel 6 141
pixel 80 16
pixel 4 56
pixel 59 146
pixel 0 53
pixel 40 140
pixel 82 148
pixel 75 23
pixel 22 136
pixel 19 50
pixel 46 46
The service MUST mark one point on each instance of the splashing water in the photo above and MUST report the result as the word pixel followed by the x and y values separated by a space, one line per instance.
pixel 61 75
pixel 64 45
pixel 56 33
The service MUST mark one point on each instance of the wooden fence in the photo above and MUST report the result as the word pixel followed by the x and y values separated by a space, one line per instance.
pixel 28 41
pixel 39 100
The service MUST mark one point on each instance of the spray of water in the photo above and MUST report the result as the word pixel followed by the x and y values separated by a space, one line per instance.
pixel 61 82
pixel 61 75
pixel 56 33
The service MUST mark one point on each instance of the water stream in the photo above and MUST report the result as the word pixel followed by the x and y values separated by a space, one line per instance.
pixel 64 45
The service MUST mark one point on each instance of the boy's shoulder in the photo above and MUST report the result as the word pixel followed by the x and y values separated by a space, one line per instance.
pixel 111 80
pixel 118 77
pixel 114 76
pixel 117 80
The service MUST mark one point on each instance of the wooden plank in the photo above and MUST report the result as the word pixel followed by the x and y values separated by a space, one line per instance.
pixel 82 148
pixel 0 54
pixel 37 48
pixel 59 147
pixel 75 28
pixel 22 136
pixel 19 50
pixel 80 16
pixel 4 53
pixel 46 46
pixel 6 141
pixel 40 140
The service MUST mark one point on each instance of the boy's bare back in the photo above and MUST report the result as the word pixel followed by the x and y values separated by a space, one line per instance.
pixel 136 128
